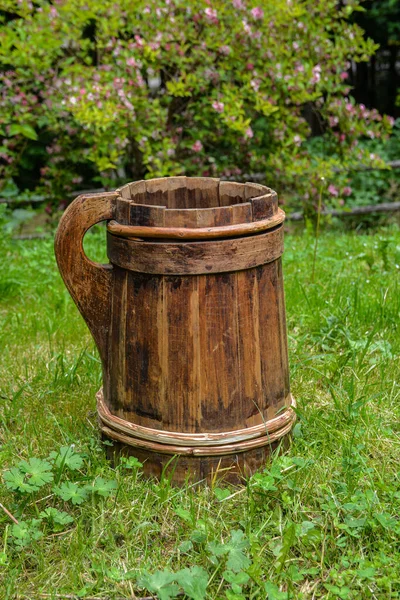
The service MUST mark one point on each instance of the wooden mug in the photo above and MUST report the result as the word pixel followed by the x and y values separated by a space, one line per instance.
pixel 189 321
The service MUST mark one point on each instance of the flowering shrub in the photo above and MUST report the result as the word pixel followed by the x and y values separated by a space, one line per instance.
pixel 120 90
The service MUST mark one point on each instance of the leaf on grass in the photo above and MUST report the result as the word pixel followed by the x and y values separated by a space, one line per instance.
pixel 71 491
pixel 161 583
pixel 39 471
pixel 194 582
pixel 274 592
pixel 28 476
pixel 236 580
pixel 366 573
pixel 264 481
pixel 103 487
pixel 342 592
pixel 184 514
pixel 56 516
pixel 131 462
pixel 15 480
pixel 386 520
pixel 198 537
pixel 217 549
pixel 185 547
pixel 66 456
pixel 288 539
pixel 221 493
pixel 26 532
pixel 237 559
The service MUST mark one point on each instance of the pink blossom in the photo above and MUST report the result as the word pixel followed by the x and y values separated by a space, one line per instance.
pixel 297 140
pixel 344 75
pixel 372 156
pixel 249 133
pixel 347 191
pixel 211 15
pixel 370 134
pixel 246 27
pixel 225 50
pixel 295 45
pixel 391 120
pixel 197 146
pixel 218 106
pixel 257 13
pixel 139 41
pixel 146 10
pixel 238 4
pixel 255 84
pixel 316 74
pixel 332 190
pixel 131 62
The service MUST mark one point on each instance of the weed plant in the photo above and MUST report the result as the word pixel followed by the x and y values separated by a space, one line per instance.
pixel 319 521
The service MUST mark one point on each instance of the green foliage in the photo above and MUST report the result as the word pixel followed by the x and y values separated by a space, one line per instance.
pixel 381 21
pixel 194 582
pixel 161 583
pixel 120 91
pixel 234 549
pixel 362 187
pixel 73 492
pixel 66 457
pixel 167 585
pixel 28 476
pixel 130 463
pixel 103 488
pixel 321 519
pixel 58 519
pixel 26 532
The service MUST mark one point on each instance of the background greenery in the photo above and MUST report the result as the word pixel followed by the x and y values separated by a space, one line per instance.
pixel 99 94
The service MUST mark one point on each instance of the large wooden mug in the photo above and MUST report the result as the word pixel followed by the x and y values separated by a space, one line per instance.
pixel 189 321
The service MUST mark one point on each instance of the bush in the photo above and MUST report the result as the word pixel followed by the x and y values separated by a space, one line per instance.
pixel 119 90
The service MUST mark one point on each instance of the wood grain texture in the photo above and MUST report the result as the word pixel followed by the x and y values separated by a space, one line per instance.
pixel 195 258
pixel 179 438
pixel 191 332
pixel 196 230
pixel 89 283
pixel 231 193
pixel 233 469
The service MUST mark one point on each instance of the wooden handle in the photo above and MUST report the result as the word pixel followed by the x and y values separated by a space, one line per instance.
pixel 89 283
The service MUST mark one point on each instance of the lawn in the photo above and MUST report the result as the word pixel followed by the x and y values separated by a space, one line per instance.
pixel 321 521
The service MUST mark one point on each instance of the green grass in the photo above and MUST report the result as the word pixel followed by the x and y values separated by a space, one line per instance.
pixel 320 522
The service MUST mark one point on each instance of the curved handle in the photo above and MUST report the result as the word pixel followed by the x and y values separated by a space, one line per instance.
pixel 89 283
